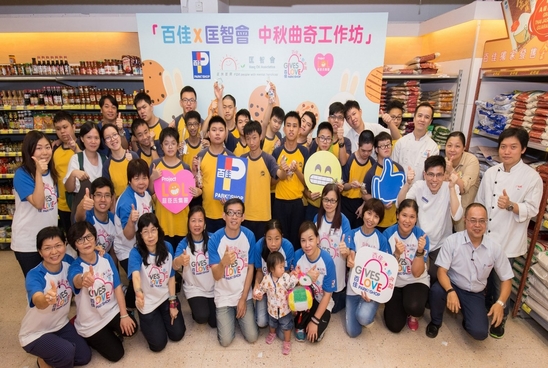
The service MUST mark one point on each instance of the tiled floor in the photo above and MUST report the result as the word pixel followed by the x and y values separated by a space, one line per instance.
pixel 525 343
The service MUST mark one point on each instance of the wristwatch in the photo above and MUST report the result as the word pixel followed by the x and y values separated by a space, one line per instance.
pixel 341 145
pixel 510 207
pixel 502 304
pixel 153 148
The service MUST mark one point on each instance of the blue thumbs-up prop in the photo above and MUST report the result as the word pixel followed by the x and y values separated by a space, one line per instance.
pixel 387 186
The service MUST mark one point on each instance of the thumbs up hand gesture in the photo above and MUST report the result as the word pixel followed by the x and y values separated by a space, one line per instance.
pixel 410 175
pixel 134 214
pixel 156 173
pixel 228 258
pixel 185 259
pixel 88 278
pixel 504 200
pixel 313 273
pixel 41 166
pixel 120 122
pixel 51 294
pixel 387 186
pixel 422 243
pixel 400 248
pixel 87 202
pixel 343 248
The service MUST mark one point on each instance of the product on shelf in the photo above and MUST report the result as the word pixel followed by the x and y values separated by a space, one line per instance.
pixel 59 65
pixel 441 100
pixel 440 134
pixel 418 65
pixel 494 115
pixel 408 92
pixel 44 120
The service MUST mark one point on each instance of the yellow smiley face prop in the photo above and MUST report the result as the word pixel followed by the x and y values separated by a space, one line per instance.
pixel 322 168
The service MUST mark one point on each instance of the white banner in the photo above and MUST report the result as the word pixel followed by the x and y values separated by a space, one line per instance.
pixel 313 59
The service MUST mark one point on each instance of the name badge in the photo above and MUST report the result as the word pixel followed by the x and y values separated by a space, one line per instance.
pixel 424 200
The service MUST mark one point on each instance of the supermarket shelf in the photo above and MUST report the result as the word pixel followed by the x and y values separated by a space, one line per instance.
pixel 10 154
pixel 437 115
pixel 6 176
pixel 419 76
pixel 532 145
pixel 6 217
pixel 531 73
pixel 25 131
pixel 76 78
pixel 7 197
pixel 63 107
pixel 541 321
pixel 5 240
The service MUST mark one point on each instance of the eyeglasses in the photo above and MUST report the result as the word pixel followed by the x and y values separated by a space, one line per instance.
pixel 337 117
pixel 324 138
pixel 192 125
pixel 329 200
pixel 385 146
pixel 188 100
pixel 168 145
pixel 110 138
pixel 475 221
pixel 231 213
pixel 88 238
pixel 396 117
pixel 152 232
pixel 431 175
pixel 102 196
pixel 57 247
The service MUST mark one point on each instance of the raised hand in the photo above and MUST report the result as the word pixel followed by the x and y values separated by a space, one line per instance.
pixel 87 201
pixel 422 243
pixel 218 90
pixel 156 173
pixel 453 177
pixel 313 273
pixel 400 248
pixel 151 137
pixel 350 260
pixel 51 294
pixel 134 214
pixel 185 259
pixel 345 251
pixel 228 258
pixel 72 145
pixel 41 166
pixel 119 122
pixel 340 135
pixel 410 175
pixel 88 278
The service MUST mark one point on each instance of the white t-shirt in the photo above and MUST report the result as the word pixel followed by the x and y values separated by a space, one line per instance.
pixel 143 204
pixel 38 322
pixel 434 211
pixel 229 289
pixel 405 276
pixel 95 306
pixel 327 280
pixel 375 240
pixel 154 278
pixel 197 276
pixel 106 231
pixel 411 152
pixel 329 241
pixel 27 220
pixel 524 187
pixel 93 171
pixel 354 136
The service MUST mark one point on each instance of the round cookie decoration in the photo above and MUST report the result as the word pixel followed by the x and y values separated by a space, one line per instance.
pixel 322 168
pixel 308 106
pixel 153 80
pixel 373 85
pixel 258 101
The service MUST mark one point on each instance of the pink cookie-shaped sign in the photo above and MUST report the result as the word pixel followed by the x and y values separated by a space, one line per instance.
pixel 323 63
pixel 172 190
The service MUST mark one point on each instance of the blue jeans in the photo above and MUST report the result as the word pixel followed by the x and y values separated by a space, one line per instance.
pixel 261 312
pixel 63 348
pixel 359 313
pixel 472 306
pixel 493 290
pixel 226 328
pixel 157 326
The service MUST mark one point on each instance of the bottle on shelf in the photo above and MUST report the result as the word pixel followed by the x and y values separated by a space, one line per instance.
pixel 66 66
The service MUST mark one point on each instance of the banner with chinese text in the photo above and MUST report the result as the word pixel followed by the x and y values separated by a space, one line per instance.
pixel 313 59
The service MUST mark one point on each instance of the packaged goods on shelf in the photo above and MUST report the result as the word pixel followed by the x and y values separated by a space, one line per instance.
pixel 537 307
pixel 440 134
pixel 495 114
pixel 441 100
pixel 408 93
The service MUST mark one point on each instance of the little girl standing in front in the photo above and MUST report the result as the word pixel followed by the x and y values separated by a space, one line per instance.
pixel 277 285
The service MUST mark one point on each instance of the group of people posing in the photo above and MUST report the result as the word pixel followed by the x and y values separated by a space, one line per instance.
pixel 87 205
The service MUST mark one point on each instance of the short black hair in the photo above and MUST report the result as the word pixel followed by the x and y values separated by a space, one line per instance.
pixel 230 97
pixel 142 96
pixel 101 182
pixel 292 114
pixel 278 112
pixel 169 132
pixel 394 104
pixel 336 107
pixel 193 115
pixel 312 117
pixel 137 167
pixel 382 136
pixel 520 133
pixel 253 126
pixel 434 161
pixel 325 125
pixel 136 124
pixel 274 259
pixel 77 230
pixel 216 119
pixel 375 205
pixel 232 201
pixel 425 104
pixel 110 98
pixel 63 115
pixel 459 135
pixel 49 232
pixel 105 127
pixel 472 205
pixel 366 137
pixel 187 89
pixel 351 104
pixel 244 112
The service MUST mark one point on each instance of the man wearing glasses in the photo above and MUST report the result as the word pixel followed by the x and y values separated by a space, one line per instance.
pixel 465 261
pixel 231 258
pixel 438 202
pixel 188 102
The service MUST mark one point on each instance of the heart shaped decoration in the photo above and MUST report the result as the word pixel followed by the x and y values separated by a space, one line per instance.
pixel 172 190
pixel 323 63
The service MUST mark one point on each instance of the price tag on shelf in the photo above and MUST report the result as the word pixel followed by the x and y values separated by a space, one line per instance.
pixel 7 107
pixel 476 131
pixel 31 107
pixel 526 308
pixel 19 107
pixel 51 107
